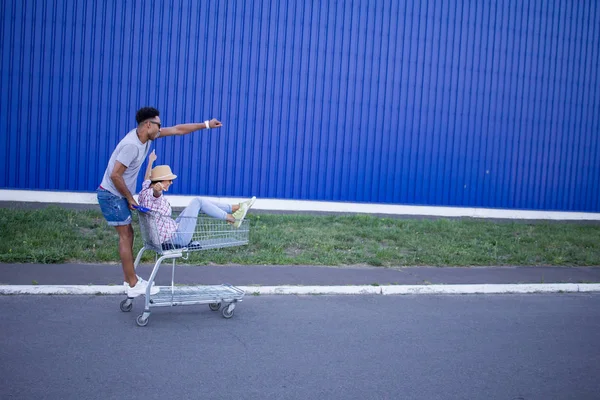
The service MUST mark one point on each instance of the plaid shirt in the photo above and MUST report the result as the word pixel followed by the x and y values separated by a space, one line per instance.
pixel 165 224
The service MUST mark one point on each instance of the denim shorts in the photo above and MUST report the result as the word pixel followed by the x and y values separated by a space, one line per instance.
pixel 114 208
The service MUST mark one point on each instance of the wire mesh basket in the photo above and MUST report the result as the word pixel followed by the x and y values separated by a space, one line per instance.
pixel 209 233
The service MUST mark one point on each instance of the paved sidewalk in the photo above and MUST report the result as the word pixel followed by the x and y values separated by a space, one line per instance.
pixel 250 275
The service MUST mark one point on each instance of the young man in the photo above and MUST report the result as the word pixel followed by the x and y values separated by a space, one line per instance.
pixel 115 193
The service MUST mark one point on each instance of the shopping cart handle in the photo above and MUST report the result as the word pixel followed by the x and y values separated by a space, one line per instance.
pixel 142 209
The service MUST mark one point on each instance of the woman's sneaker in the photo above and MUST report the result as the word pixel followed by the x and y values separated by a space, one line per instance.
pixel 140 289
pixel 249 203
pixel 240 214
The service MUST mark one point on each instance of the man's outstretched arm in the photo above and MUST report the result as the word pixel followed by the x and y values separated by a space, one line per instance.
pixel 184 129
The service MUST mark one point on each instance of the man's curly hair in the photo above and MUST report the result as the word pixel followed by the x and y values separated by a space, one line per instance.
pixel 146 113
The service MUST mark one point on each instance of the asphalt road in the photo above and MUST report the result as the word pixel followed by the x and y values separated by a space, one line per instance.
pixel 307 347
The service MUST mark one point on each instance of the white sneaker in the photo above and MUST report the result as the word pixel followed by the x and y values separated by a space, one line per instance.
pixel 127 284
pixel 140 289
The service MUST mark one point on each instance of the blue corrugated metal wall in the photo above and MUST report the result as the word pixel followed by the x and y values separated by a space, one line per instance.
pixel 458 103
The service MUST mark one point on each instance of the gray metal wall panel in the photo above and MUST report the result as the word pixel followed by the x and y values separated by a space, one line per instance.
pixel 458 103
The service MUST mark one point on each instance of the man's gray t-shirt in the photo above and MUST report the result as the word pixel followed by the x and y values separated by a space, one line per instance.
pixel 131 153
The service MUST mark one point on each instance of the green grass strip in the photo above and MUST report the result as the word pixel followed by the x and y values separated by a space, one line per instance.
pixel 56 235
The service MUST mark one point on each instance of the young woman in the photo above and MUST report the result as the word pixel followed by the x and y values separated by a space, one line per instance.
pixel 180 231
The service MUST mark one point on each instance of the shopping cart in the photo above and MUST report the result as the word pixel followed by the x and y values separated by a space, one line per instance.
pixel 210 233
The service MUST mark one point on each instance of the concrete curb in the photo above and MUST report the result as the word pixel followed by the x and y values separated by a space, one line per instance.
pixel 331 290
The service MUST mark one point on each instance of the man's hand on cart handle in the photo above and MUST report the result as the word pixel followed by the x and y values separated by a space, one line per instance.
pixel 132 203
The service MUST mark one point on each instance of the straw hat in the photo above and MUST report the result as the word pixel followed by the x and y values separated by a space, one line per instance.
pixel 162 173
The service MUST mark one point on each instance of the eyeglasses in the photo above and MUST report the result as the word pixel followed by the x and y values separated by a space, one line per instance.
pixel 155 123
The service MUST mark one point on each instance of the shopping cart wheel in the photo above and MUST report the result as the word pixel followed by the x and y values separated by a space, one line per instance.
pixel 126 305
pixel 141 321
pixel 227 311
pixel 214 306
